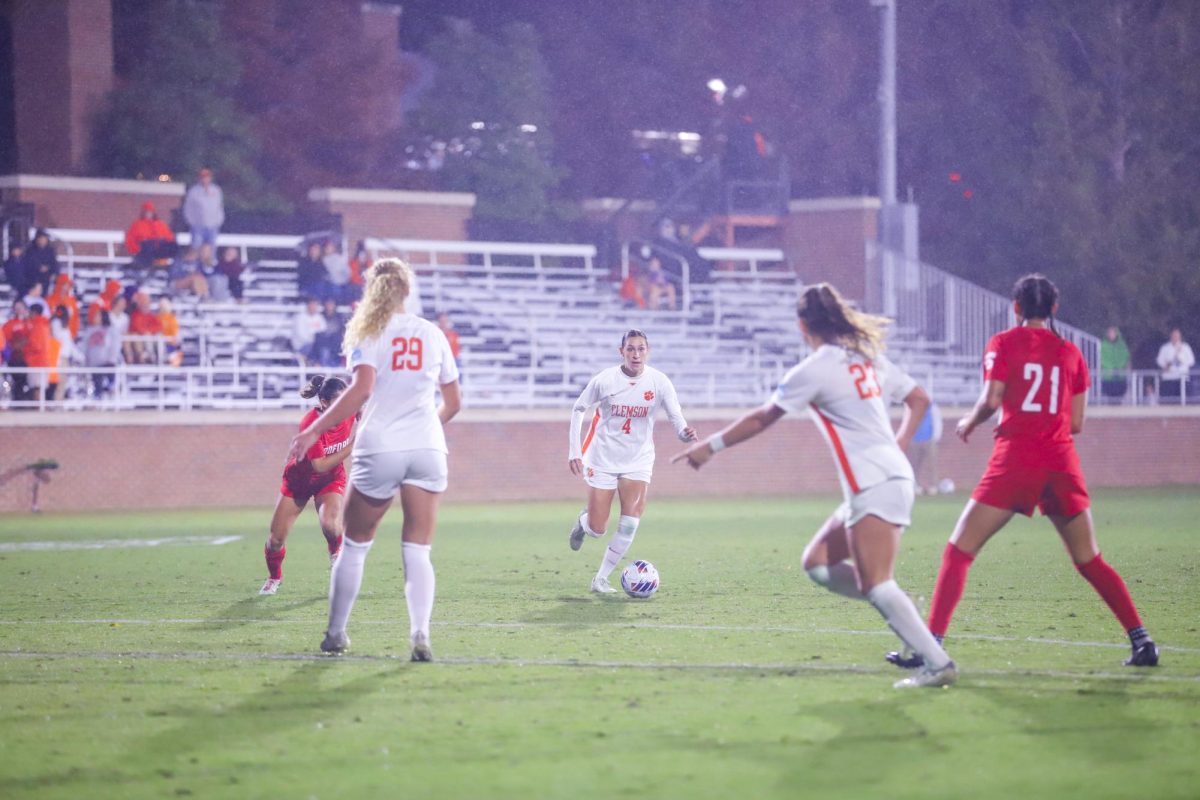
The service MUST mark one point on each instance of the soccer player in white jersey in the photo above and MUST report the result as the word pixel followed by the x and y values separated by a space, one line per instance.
pixel 617 455
pixel 839 385
pixel 399 362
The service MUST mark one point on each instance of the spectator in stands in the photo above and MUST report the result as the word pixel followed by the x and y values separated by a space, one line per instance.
pixel 142 322
pixel 1175 359
pixel 218 284
pixel 64 295
pixel 660 288
pixel 36 294
pixel 16 332
pixel 185 275
pixel 337 272
pixel 327 345
pixel 1114 364
pixel 312 280
pixel 358 268
pixel 120 323
pixel 41 261
pixel 230 265
pixel 112 288
pixel 204 212
pixel 14 270
pixel 38 352
pixel 447 327
pixel 63 350
pixel 149 240
pixel 168 325
pixel 309 322
pixel 632 291
pixel 102 348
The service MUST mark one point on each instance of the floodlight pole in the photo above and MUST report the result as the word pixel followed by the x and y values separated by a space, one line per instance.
pixel 887 102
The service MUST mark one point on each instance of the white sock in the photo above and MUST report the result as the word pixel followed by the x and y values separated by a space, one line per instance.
pixel 902 617
pixel 344 580
pixel 626 529
pixel 418 586
pixel 584 520
pixel 840 578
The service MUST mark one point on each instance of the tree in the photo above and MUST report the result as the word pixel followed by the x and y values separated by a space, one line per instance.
pixel 173 115
pixel 488 106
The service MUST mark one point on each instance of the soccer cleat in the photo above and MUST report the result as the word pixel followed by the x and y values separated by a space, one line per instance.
pixel 905 659
pixel 335 645
pixel 578 532
pixel 1144 656
pixel 420 647
pixel 932 678
pixel 601 585
pixel 271 586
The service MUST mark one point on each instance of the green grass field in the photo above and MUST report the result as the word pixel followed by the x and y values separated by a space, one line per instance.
pixel 158 672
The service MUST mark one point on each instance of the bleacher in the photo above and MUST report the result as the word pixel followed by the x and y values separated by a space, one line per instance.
pixel 536 321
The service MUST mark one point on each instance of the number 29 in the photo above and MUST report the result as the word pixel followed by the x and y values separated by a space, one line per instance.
pixel 407 353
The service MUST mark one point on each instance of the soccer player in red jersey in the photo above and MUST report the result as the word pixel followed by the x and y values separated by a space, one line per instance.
pixel 319 474
pixel 1038 381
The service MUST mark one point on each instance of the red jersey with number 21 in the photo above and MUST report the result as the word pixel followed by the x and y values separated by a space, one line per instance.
pixel 1041 373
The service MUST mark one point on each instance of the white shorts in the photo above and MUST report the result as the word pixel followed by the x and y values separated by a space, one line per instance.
pixel 380 475
pixel 608 480
pixel 891 501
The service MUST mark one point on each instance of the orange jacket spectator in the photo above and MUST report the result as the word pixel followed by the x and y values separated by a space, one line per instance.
pixel 3 342
pixel 168 324
pixel 103 302
pixel 63 296
pixel 16 331
pixel 144 323
pixel 38 345
pixel 147 226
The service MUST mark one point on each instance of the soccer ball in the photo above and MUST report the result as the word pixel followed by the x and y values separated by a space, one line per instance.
pixel 639 579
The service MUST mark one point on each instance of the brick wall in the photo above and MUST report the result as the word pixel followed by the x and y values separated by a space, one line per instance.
pixel 89 203
pixel 825 240
pixel 398 214
pixel 217 459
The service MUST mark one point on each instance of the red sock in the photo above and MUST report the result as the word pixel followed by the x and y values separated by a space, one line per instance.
pixel 951 580
pixel 335 545
pixel 275 562
pixel 1108 584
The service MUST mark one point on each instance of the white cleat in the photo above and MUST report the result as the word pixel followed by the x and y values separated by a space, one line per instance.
pixel 420 647
pixel 271 586
pixel 932 678
pixel 335 645
pixel 601 586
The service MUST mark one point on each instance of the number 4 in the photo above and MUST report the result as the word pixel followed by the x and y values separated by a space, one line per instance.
pixel 625 427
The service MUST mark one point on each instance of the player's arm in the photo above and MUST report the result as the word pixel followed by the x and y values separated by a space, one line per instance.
pixel 326 463
pixel 451 401
pixel 587 399
pixel 347 404
pixel 988 403
pixel 916 404
pixel 685 432
pixel 1078 410
pixel 746 427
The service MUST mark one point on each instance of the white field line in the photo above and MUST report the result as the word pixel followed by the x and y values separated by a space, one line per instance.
pixel 653 626
pixel 786 669
pixel 112 544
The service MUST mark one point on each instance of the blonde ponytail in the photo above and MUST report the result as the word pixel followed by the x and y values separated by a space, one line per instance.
pixel 831 318
pixel 388 283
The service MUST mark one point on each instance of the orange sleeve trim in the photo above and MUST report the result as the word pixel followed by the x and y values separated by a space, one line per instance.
pixel 591 431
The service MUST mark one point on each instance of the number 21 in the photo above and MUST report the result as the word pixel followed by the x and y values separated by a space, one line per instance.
pixel 1035 372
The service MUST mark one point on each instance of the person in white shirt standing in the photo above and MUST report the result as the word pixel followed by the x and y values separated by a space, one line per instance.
pixel 1175 359
pixel 617 455
pixel 839 385
pixel 204 212
pixel 399 362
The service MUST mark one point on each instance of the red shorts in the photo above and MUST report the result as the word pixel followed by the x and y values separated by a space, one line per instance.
pixel 1021 487
pixel 302 485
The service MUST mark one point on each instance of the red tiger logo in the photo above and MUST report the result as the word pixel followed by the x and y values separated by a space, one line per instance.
pixel 649 396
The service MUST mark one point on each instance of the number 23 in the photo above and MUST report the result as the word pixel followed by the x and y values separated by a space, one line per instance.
pixel 865 381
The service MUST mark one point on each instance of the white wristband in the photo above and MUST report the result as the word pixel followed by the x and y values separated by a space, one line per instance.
pixel 716 442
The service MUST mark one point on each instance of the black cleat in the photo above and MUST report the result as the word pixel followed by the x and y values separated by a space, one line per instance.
pixel 905 660
pixel 1144 656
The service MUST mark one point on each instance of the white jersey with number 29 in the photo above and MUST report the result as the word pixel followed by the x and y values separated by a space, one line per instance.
pixel 847 396
pixel 621 436
pixel 412 359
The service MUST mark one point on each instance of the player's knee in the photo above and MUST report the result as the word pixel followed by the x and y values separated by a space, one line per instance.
pixel 814 556
pixel 818 574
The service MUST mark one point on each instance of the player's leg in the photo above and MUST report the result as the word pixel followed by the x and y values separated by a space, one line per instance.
pixel 287 511
pixel 632 494
pixel 420 507
pixel 1079 537
pixel 978 523
pixel 593 520
pixel 329 512
pixel 874 543
pixel 827 561
pixel 362 515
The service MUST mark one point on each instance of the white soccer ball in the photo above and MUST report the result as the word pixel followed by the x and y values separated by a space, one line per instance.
pixel 945 486
pixel 639 579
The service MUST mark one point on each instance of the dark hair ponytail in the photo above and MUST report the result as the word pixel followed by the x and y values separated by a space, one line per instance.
pixel 325 389
pixel 1036 296
pixel 634 333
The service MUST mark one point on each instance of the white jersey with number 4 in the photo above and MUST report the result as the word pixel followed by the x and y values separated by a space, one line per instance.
pixel 412 359
pixel 847 396
pixel 620 438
